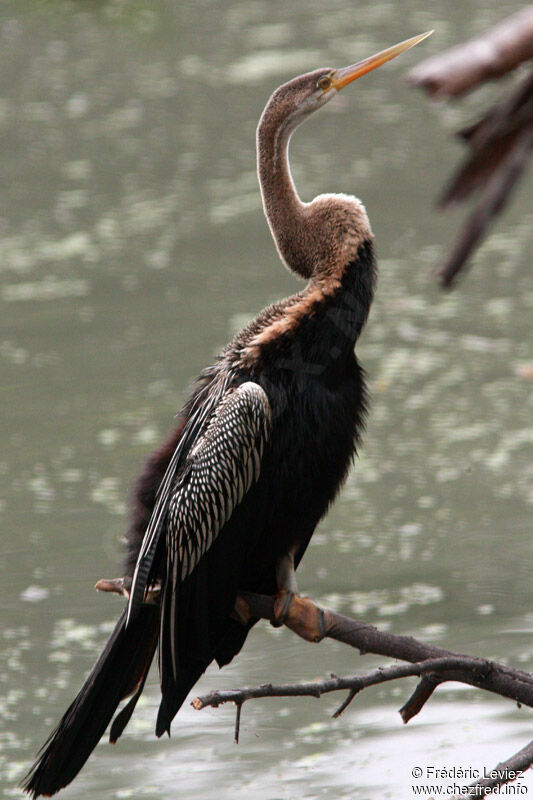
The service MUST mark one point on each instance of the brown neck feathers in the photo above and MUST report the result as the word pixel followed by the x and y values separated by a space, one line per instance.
pixel 285 212
pixel 315 240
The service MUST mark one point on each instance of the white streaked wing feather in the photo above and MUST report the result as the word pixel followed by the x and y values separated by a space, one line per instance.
pixel 221 468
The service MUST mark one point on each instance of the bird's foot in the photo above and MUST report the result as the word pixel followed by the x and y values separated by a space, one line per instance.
pixel 115 585
pixel 287 589
pixel 152 595
pixel 123 586
pixel 241 611
pixel 299 614
pixel 275 608
pixel 282 603
pixel 285 574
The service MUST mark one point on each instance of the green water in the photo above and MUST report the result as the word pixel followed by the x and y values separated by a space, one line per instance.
pixel 132 246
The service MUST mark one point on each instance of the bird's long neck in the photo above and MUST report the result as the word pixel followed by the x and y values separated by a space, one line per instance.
pixel 328 241
pixel 285 212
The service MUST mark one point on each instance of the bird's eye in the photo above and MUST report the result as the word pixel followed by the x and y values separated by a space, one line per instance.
pixel 324 82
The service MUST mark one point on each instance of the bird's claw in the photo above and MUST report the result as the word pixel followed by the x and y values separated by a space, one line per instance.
pixel 241 611
pixel 299 614
pixel 123 586
pixel 287 608
pixel 115 585
pixel 282 604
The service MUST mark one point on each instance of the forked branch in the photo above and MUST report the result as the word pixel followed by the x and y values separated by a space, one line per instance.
pixel 433 665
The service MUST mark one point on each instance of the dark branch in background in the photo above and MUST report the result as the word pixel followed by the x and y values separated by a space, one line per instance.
pixel 488 56
pixel 433 665
pixel 501 141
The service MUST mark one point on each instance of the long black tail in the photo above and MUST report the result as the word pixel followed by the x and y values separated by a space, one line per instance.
pixel 120 671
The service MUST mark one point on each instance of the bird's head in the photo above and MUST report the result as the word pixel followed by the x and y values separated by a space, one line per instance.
pixel 297 99
pixel 317 238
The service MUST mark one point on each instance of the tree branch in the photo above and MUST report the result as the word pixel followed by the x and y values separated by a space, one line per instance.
pixel 313 623
pixel 433 665
pixel 494 197
pixel 355 683
pixel 486 57
pixel 420 696
pixel 504 772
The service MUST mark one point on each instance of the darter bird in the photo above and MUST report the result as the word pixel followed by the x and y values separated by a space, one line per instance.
pixel 229 503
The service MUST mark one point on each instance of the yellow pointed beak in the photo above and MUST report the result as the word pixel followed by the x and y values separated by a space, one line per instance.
pixel 348 74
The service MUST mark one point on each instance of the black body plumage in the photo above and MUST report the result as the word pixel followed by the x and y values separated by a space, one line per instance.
pixel 260 451
pixel 302 433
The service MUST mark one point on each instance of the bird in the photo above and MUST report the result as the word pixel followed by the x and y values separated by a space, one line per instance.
pixel 229 502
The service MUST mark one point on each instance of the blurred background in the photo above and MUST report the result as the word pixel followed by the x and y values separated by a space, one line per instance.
pixel 132 247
